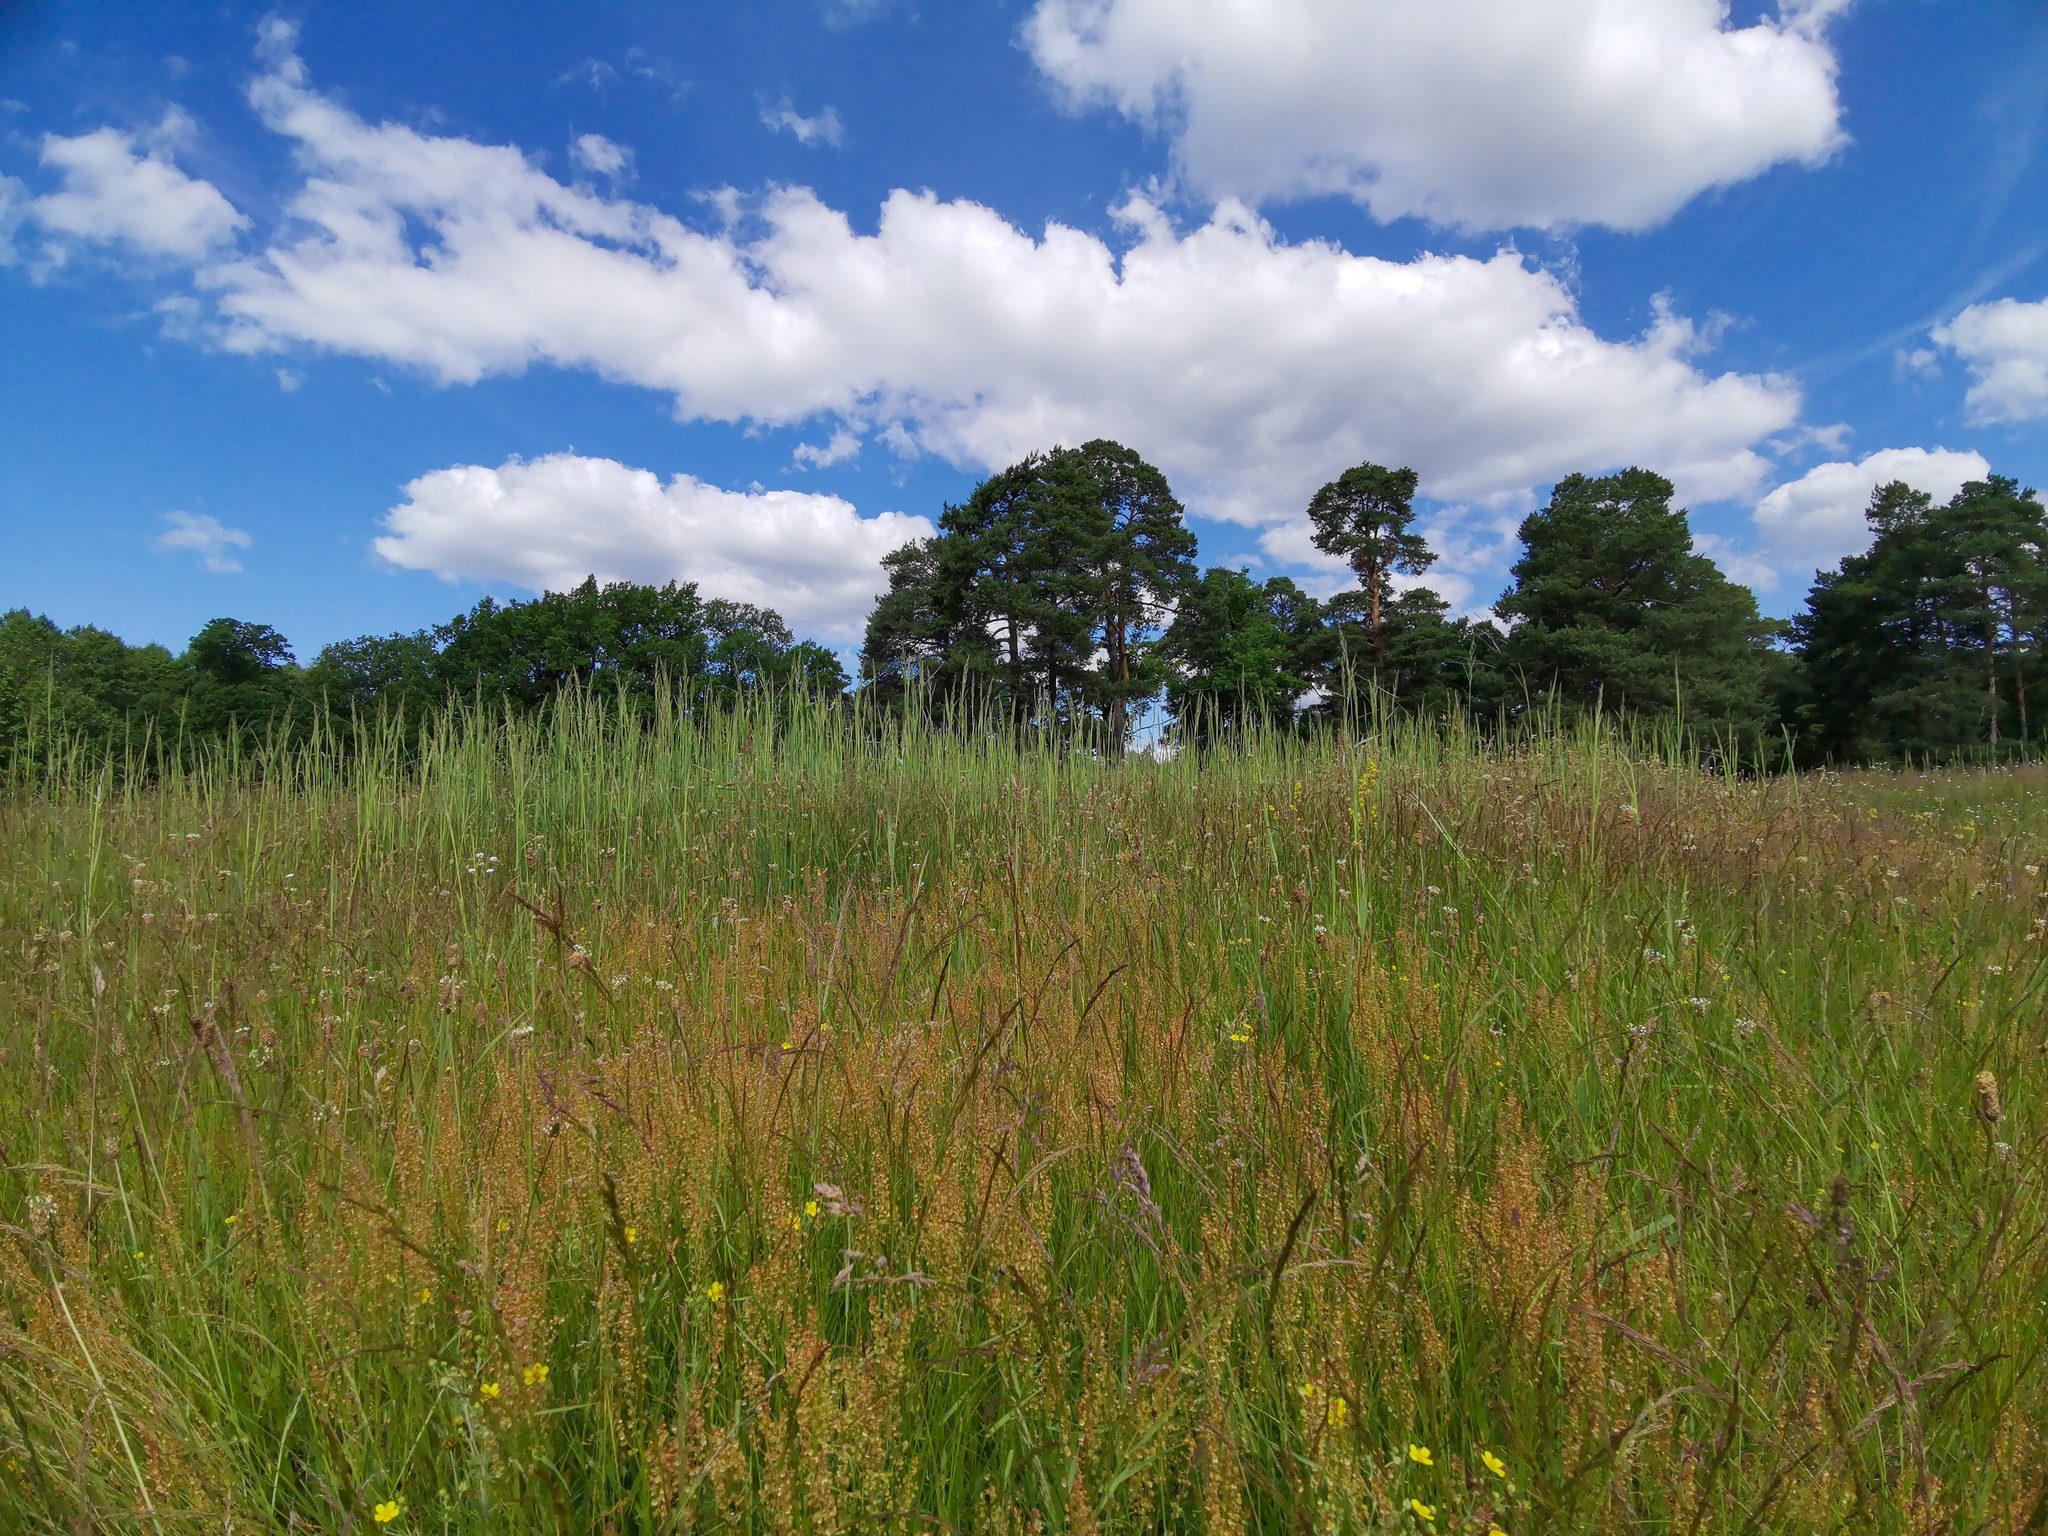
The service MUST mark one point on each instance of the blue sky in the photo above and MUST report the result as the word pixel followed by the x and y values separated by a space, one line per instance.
pixel 336 318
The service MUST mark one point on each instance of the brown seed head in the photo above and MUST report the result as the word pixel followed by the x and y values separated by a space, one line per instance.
pixel 1989 1109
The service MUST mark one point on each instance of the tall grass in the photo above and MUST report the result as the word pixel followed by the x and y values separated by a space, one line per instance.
pixel 787 1121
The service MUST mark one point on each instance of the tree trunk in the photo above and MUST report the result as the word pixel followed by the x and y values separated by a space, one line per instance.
pixel 1379 649
pixel 1991 671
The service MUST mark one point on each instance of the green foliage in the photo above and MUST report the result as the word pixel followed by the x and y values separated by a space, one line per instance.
pixel 621 636
pixel 1365 518
pixel 1047 588
pixel 1241 651
pixel 1428 663
pixel 80 684
pixel 1063 592
pixel 237 681
pixel 1930 643
pixel 1617 610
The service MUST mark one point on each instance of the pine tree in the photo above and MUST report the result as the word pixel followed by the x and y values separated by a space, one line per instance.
pixel 1364 517
pixel 1928 642
pixel 1135 558
pixel 1050 583
pixel 1616 609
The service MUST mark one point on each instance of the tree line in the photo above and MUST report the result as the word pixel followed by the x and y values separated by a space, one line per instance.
pixel 240 679
pixel 1064 592
pixel 1066 586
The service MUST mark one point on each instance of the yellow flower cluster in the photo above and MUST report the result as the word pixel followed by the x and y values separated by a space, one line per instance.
pixel 1421 1455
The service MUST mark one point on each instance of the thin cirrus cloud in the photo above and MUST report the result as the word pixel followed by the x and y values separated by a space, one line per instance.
pixel 1815 520
pixel 546 524
pixel 206 537
pixel 1485 114
pixel 2005 346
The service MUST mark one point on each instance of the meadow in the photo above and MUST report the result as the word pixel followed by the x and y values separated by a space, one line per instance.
pixel 785 1121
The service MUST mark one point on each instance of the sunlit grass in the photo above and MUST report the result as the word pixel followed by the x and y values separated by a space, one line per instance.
pixel 775 1122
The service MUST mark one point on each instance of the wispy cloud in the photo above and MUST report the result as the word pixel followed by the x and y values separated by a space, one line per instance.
pixel 824 128
pixel 207 538
pixel 842 15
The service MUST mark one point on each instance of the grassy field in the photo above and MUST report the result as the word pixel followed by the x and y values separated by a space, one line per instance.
pixel 756 1126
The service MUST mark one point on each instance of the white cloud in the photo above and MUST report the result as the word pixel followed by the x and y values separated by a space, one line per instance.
pixel 289 380
pixel 206 537
pixel 1483 113
pixel 2005 344
pixel 601 157
pixel 1814 521
pixel 546 524
pixel 1249 369
pixel 112 192
pixel 824 128
pixel 844 445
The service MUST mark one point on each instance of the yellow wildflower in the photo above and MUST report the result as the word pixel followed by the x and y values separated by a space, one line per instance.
pixel 488 1389
pixel 1339 1412
pixel 632 1234
pixel 810 1208
pixel 1421 1453
pixel 426 1295
pixel 1422 1509
pixel 716 1291
pixel 386 1513
pixel 536 1375
pixel 1494 1464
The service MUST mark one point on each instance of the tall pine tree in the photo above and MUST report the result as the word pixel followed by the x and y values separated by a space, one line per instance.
pixel 1616 609
pixel 1049 584
pixel 1365 517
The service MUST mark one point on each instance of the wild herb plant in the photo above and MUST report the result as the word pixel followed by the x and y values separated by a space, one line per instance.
pixel 793 1121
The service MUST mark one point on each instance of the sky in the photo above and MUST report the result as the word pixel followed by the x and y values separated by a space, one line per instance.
pixel 338 318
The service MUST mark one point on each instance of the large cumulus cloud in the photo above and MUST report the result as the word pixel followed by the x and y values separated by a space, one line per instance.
pixel 1488 114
